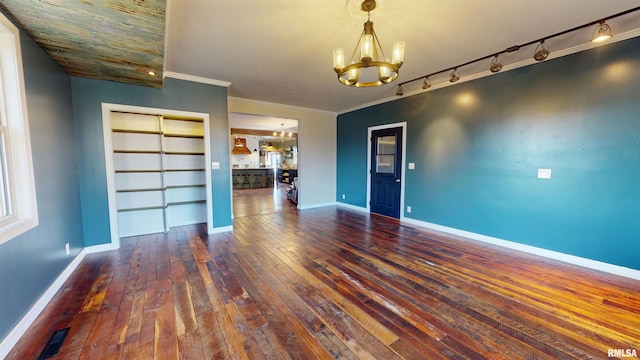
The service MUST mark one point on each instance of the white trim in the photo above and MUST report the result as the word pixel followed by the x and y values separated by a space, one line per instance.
pixel 555 54
pixel 111 187
pixel 352 207
pixel 571 259
pixel 221 229
pixel 267 103
pixel 197 79
pixel 207 171
pixel 107 108
pixel 314 206
pixel 20 173
pixel 370 129
pixel 101 248
pixel 27 320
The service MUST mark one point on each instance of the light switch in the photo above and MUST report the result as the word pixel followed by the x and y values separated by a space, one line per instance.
pixel 215 165
pixel 544 173
pixel 412 166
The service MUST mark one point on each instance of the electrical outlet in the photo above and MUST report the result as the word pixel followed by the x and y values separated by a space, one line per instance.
pixel 544 173
pixel 67 249
pixel 344 196
pixel 408 209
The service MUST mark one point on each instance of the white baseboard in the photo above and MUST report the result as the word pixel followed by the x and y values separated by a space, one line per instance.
pixel 221 229
pixel 314 206
pixel 571 259
pixel 100 248
pixel 353 207
pixel 23 325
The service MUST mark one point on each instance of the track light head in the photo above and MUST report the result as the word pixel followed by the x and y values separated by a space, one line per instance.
pixel 454 76
pixel 542 52
pixel 400 91
pixel 603 33
pixel 496 65
pixel 427 83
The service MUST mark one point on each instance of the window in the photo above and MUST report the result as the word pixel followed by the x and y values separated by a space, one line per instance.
pixel 18 208
pixel 386 154
pixel 5 208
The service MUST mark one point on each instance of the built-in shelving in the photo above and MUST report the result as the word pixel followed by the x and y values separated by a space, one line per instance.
pixel 159 172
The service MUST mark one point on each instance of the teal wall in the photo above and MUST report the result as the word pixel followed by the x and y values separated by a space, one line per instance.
pixel 65 118
pixel 88 96
pixel 31 262
pixel 477 147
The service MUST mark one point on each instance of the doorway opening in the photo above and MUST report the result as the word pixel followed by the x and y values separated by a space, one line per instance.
pixel 385 178
pixel 264 164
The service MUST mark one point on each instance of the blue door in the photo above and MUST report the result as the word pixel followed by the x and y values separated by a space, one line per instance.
pixel 386 171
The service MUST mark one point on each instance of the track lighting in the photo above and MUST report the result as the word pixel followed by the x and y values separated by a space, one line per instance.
pixel 602 34
pixel 496 65
pixel 541 52
pixel 454 76
pixel 427 83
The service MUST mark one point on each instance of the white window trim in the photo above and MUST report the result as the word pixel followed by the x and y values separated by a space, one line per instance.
pixel 20 173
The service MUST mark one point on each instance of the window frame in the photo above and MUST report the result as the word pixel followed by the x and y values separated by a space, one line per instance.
pixel 16 166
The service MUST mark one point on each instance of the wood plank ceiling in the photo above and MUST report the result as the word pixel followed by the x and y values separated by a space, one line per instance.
pixel 116 40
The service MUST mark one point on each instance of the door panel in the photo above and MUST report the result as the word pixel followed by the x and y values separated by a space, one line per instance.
pixel 386 171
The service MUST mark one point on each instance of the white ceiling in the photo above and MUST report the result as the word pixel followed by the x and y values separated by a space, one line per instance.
pixel 281 50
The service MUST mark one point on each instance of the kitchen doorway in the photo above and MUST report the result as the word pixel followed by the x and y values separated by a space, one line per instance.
pixel 264 164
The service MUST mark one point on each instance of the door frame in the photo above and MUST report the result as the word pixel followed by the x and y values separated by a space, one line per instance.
pixel 370 131
pixel 107 108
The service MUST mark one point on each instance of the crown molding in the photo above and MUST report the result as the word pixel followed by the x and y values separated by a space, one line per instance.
pixel 198 79
pixel 267 103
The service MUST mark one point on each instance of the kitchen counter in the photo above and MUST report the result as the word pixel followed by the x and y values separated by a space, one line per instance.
pixel 252 178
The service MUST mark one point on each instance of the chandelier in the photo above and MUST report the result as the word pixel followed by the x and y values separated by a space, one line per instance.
pixel 373 68
pixel 282 133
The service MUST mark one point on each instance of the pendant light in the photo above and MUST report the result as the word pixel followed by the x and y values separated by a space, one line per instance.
pixel 372 67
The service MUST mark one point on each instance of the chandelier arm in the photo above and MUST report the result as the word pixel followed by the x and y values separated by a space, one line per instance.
pixel 375 36
pixel 393 75
pixel 357 46
pixel 392 67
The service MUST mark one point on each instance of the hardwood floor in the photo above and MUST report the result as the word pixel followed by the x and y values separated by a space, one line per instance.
pixel 332 283
pixel 250 202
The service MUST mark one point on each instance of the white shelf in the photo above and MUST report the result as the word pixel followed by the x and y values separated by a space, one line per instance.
pixel 159 169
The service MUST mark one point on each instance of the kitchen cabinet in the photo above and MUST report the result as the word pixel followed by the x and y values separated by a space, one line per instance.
pixel 287 175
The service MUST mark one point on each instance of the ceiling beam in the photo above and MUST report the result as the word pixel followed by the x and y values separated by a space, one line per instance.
pixel 236 131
